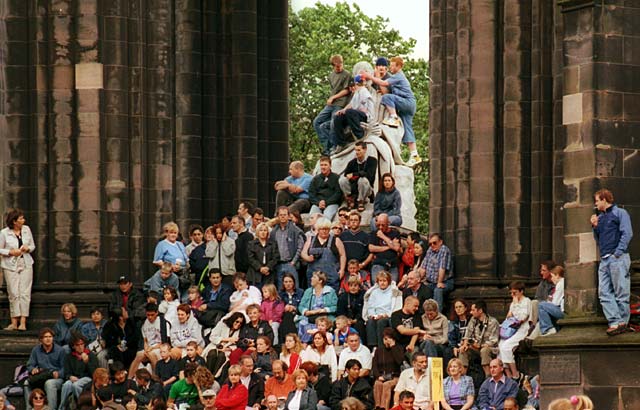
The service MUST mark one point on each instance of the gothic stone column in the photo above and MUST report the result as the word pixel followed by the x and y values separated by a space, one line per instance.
pixel 601 96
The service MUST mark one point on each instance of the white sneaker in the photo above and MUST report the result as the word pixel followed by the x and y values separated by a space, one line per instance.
pixel 550 332
pixel 413 161
pixel 392 122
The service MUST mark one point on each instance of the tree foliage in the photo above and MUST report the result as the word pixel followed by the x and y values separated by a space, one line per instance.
pixel 315 34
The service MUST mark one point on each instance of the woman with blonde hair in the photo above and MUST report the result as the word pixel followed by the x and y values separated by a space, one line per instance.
pixel 459 392
pixel 69 323
pixel 233 395
pixel 304 397
pixel 170 249
pixel 351 403
pixel 325 252
pixel 579 402
pixel 263 257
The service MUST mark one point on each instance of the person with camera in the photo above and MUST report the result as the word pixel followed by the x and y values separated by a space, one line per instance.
pixel 46 368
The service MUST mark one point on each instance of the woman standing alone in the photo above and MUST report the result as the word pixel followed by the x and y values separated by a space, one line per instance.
pixel 16 245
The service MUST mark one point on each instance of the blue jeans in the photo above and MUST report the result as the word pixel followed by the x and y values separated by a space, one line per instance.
pixel 440 293
pixel 377 268
pixel 548 314
pixel 329 211
pixel 323 124
pixel 74 388
pixel 406 109
pixel 281 269
pixel 614 288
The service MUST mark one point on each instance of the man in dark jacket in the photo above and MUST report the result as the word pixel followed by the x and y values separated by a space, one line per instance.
pixel 216 300
pixel 325 193
pixel 351 386
pixel 252 381
pixel 241 255
pixel 79 366
pixel 131 300
pixel 358 177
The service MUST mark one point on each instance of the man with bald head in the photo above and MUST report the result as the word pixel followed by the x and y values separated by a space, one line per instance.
pixel 293 191
pixel 416 288
pixel 495 390
pixel 385 245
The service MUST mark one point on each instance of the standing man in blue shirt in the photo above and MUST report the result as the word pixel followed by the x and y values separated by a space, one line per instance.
pixel 293 191
pixel 612 231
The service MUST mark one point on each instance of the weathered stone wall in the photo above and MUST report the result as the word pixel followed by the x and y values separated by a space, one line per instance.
pixel 535 105
pixel 494 155
pixel 121 115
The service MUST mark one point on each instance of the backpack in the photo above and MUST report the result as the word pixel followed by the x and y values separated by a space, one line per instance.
pixel 20 375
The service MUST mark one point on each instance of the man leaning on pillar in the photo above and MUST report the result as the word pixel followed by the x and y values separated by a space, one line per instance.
pixel 612 231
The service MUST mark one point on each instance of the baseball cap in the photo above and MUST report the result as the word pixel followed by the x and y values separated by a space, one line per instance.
pixel 358 79
pixel 208 393
pixel 124 279
pixel 382 61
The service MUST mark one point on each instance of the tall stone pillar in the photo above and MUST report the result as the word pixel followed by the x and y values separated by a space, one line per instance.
pixel 600 100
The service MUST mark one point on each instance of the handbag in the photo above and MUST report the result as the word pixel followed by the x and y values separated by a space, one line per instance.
pixel 38 379
pixel 509 327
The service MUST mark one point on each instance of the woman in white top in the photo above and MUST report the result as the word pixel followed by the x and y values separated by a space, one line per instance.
pixel 303 397
pixel 321 353
pixel 16 245
pixel 520 308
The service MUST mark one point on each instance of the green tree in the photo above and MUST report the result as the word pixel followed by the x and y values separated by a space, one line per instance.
pixel 316 33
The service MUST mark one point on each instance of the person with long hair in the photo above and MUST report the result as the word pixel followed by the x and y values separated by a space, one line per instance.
pixel 233 395
pixel 272 309
pixel 458 320
pixel 263 356
pixel 290 352
pixel 323 354
pixel 88 399
pixel 387 201
pixel 121 337
pixel 303 397
pixel 386 366
pixel 16 267
pixel 318 300
pixel 223 339
pixel 291 295
pixel 352 403
pixel 67 324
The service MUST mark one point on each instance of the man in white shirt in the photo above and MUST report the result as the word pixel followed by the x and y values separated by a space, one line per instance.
pixel 356 351
pixel 416 380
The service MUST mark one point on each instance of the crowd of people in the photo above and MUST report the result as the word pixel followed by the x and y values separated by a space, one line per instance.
pixel 266 313
pixel 313 319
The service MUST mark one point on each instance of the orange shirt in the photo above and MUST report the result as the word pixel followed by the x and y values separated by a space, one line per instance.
pixel 280 390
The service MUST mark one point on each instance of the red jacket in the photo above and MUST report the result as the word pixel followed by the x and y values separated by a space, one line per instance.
pixel 272 310
pixel 232 398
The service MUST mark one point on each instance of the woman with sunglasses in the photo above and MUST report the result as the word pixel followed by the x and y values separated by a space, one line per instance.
pixel 38 400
